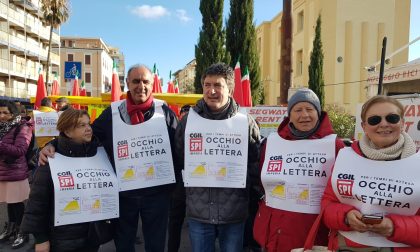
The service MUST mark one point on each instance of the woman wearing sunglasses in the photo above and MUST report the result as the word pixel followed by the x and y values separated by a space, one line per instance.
pixel 373 197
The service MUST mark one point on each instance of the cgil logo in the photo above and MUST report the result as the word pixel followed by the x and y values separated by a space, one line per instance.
pixel 196 142
pixel 345 184
pixel 275 164
pixel 122 149
pixel 65 179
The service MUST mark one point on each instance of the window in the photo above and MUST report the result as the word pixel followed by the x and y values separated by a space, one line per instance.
pixel 89 93
pixel 300 21
pixel 299 63
pixel 70 57
pixel 63 43
pixel 70 43
pixel 88 77
pixel 87 59
pixel 259 45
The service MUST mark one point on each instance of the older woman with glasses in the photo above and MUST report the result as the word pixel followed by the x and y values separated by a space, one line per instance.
pixel 15 137
pixel 373 196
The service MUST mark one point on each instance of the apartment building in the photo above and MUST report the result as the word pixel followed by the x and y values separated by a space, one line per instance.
pixel 90 59
pixel 23 47
pixel 185 78
pixel 351 33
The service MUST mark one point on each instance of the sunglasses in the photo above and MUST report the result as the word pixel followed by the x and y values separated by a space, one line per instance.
pixel 391 118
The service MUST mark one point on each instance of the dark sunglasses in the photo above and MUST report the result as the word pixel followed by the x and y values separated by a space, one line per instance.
pixel 391 118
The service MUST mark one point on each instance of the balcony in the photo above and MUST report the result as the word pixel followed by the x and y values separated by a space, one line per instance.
pixel 16 19
pixel 21 70
pixel 28 5
pixel 3 10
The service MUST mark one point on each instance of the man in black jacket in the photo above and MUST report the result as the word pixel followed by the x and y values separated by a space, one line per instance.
pixel 152 203
pixel 218 211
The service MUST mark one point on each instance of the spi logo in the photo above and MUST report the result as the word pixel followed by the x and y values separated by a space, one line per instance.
pixel 122 149
pixel 275 164
pixel 345 184
pixel 196 142
pixel 65 179
pixel 38 120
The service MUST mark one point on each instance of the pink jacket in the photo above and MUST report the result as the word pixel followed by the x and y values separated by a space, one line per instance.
pixel 13 164
pixel 279 230
pixel 406 228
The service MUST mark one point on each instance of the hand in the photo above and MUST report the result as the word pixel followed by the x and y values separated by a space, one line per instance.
pixel 354 220
pixel 45 153
pixel 385 228
pixel 42 247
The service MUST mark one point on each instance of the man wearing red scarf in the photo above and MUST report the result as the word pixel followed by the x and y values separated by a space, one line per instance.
pixel 152 203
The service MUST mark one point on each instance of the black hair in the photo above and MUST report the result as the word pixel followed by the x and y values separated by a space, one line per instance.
pixel 46 102
pixel 11 106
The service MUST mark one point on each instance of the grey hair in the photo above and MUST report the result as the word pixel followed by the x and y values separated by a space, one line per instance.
pixel 137 66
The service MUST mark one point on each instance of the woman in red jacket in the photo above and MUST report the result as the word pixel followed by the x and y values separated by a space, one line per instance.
pixel 373 197
pixel 295 165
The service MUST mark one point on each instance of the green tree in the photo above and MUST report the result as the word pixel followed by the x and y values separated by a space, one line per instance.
pixel 210 48
pixel 241 43
pixel 54 13
pixel 342 122
pixel 316 72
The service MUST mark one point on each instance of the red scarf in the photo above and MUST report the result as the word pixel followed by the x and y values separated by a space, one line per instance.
pixel 136 111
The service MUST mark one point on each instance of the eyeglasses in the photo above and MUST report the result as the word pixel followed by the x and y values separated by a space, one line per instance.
pixel 391 118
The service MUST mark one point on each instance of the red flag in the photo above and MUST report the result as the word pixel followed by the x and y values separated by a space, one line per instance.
pixel 76 89
pixel 55 90
pixel 246 88
pixel 115 88
pixel 176 87
pixel 82 89
pixel 237 92
pixel 156 81
pixel 171 87
pixel 41 91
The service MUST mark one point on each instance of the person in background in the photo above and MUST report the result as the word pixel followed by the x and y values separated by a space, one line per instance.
pixel 23 111
pixel 219 211
pixel 385 159
pixel 15 137
pixel 75 140
pixel 62 103
pixel 46 106
pixel 177 209
pixel 184 110
pixel 282 225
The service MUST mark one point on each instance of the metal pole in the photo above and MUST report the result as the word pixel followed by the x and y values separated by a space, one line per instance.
pixel 381 71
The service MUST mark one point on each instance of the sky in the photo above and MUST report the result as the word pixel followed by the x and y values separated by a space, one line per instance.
pixel 165 32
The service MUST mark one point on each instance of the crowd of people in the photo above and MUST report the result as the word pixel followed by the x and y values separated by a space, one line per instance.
pixel 295 189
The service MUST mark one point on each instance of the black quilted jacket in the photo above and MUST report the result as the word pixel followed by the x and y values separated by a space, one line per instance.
pixel 220 205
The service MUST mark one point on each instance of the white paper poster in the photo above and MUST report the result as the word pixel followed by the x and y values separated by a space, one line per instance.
pixel 85 189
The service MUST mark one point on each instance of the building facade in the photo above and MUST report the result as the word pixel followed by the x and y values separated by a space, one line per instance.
pixel 352 32
pixel 90 59
pixel 118 58
pixel 23 47
pixel 185 78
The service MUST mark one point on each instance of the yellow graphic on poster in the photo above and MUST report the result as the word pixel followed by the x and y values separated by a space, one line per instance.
pixel 279 191
pixel 222 172
pixel 72 206
pixel 97 204
pixel 41 130
pixel 304 195
pixel 199 171
pixel 129 174
pixel 150 172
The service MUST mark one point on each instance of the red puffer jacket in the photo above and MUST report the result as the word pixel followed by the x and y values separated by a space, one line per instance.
pixel 280 230
pixel 406 228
